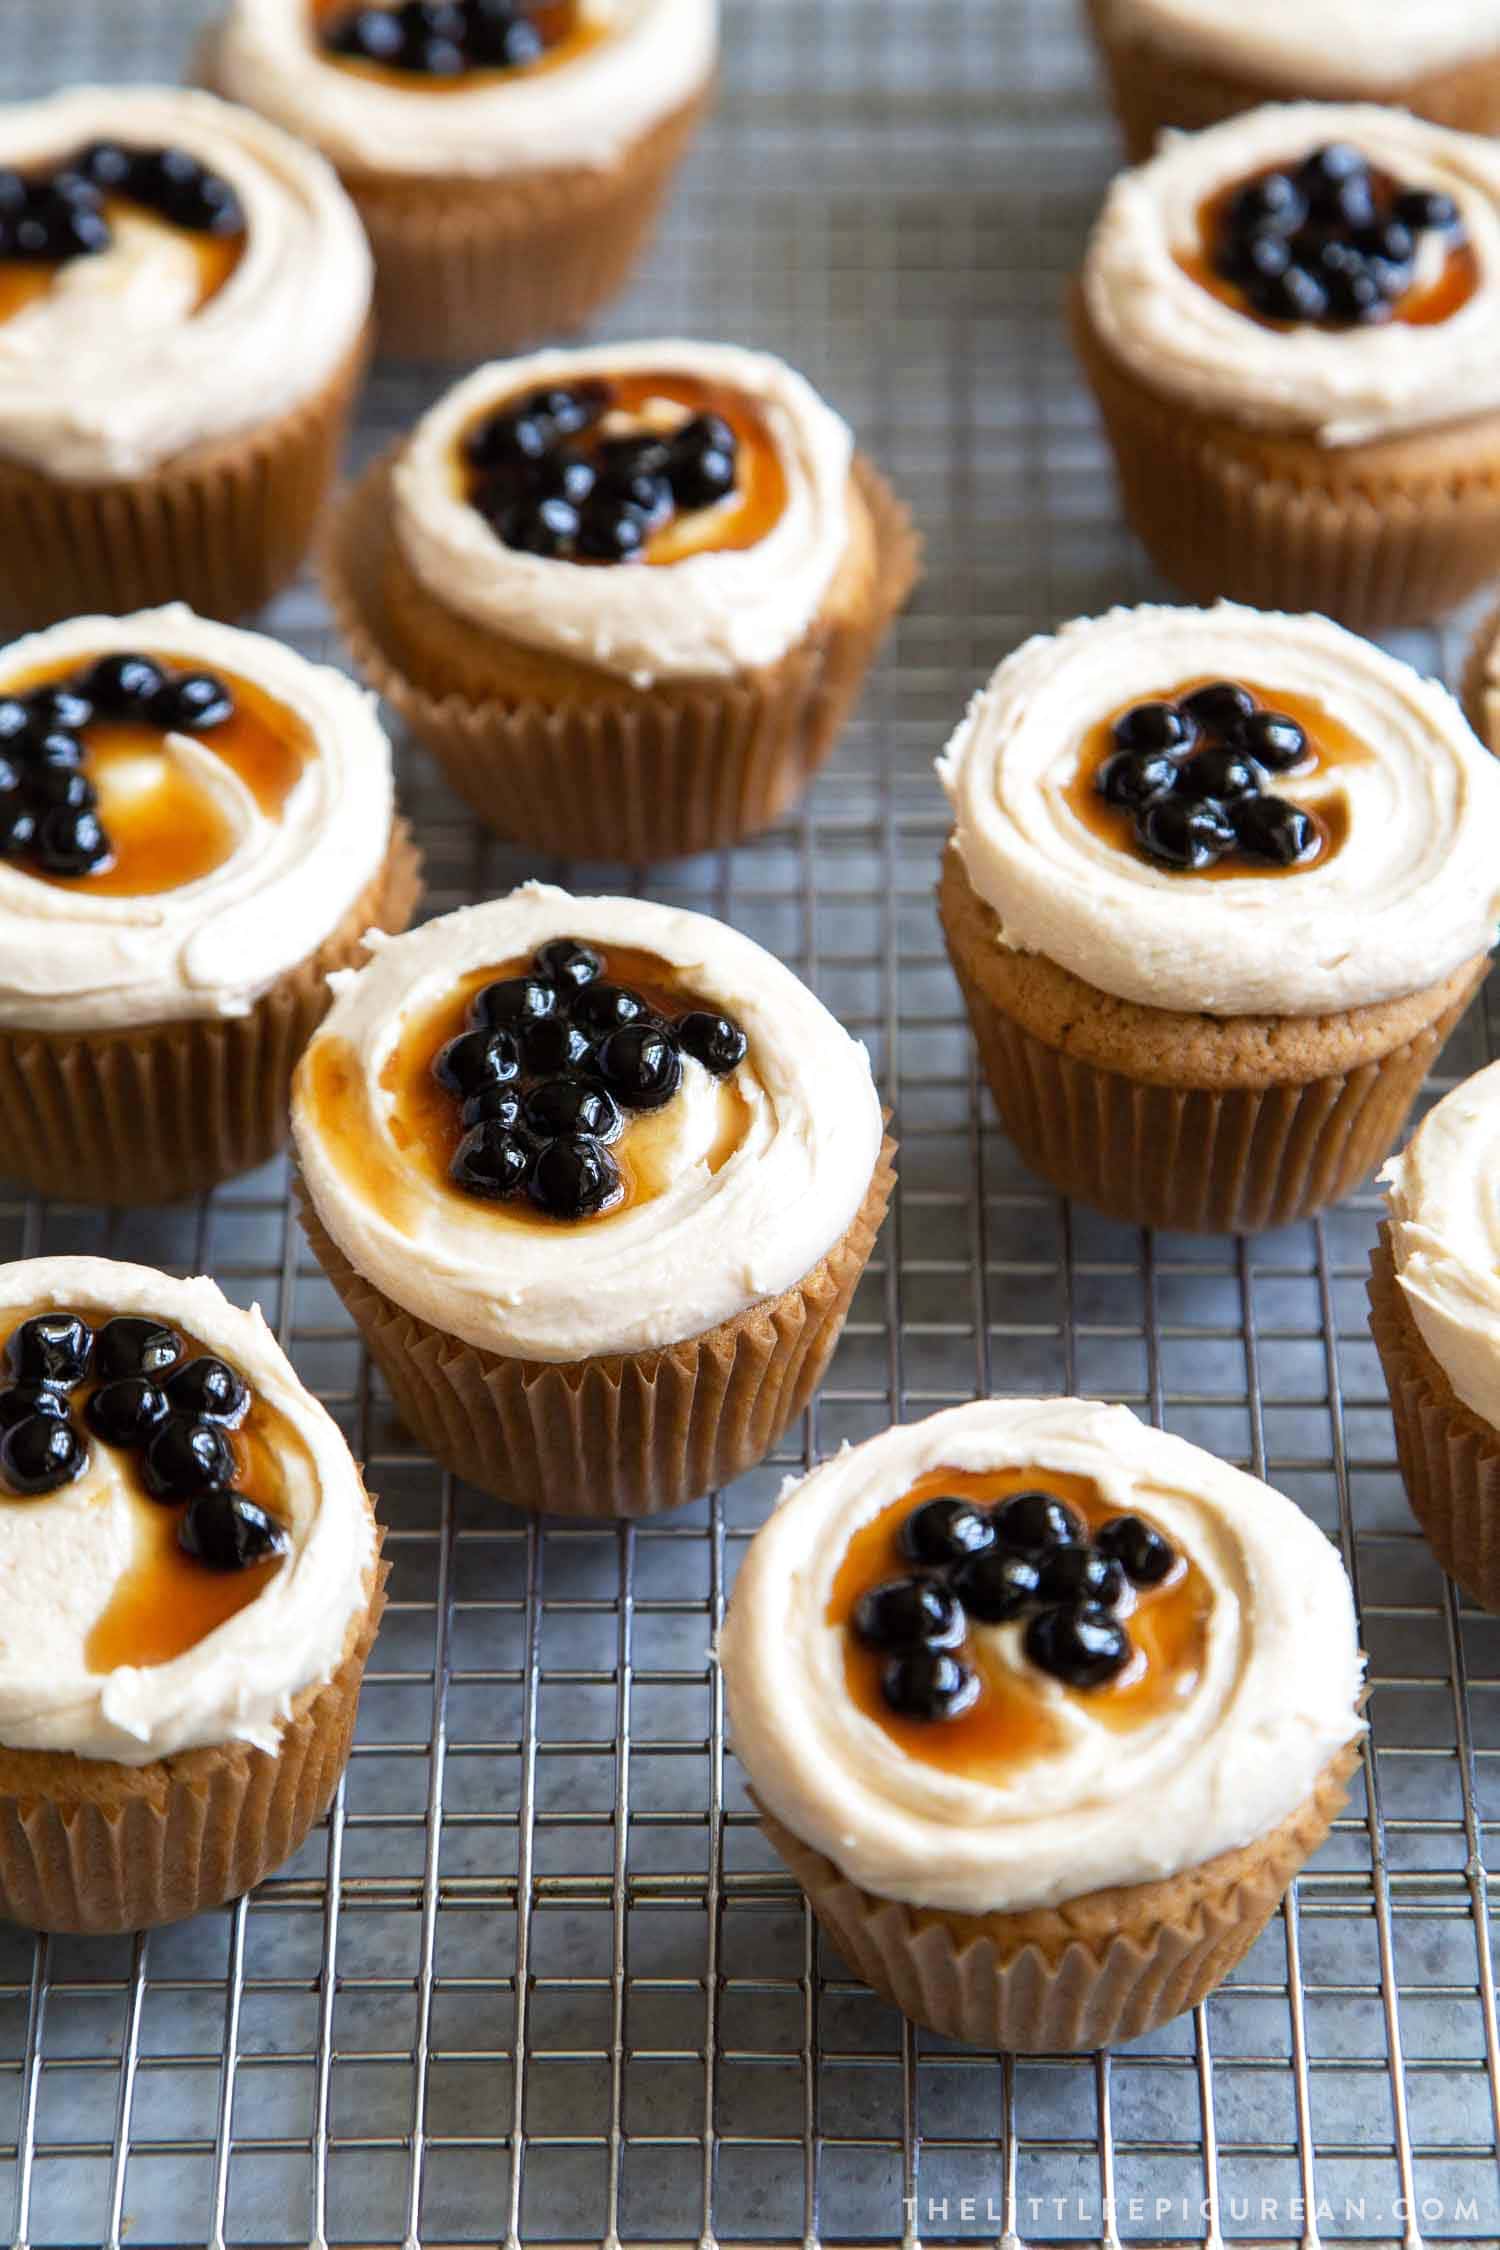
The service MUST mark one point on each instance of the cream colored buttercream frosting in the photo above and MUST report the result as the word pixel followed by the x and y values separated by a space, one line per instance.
pixel 710 1245
pixel 1444 1196
pixel 713 612
pixel 1317 46
pixel 648 58
pixel 1275 1697
pixel 1340 386
pixel 63 1557
pixel 76 960
pixel 1412 892
pixel 116 368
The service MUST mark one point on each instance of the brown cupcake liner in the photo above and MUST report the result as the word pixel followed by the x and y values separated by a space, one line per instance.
pixel 1390 533
pixel 89 1845
pixel 1267 1120
pixel 170 1109
pixel 1449 1455
pixel 222 527
pixel 626 773
pixel 1105 1967
pixel 626 1435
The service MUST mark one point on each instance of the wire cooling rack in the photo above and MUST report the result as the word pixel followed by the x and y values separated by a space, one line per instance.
pixel 537 1979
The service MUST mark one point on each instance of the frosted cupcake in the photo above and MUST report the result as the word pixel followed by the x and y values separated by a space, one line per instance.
pixel 1220 884
pixel 189 1588
pixel 1290 323
pixel 196 827
pixel 596 1178
pixel 508 157
pixel 184 297
pixel 627 595
pixel 1044 1709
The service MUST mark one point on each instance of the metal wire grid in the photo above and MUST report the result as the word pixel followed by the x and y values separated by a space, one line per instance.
pixel 537 1979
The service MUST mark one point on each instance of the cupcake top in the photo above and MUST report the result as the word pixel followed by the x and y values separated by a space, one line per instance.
pixel 1329 269
pixel 561 1127
pixel 186 812
pixel 172 271
pixel 1227 811
pixel 1444 1197
pixel 1031 1648
pixel 184 1539
pixel 1318 46
pixel 476 87
pixel 655 510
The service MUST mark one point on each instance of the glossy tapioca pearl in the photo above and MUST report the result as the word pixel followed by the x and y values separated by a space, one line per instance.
pixel 1138 1547
pixel 928 1683
pixel 560 1107
pixel 55 1347
pixel 641 1065
pixel 70 840
pixel 500 37
pixel 191 703
pixel 610 531
pixel 711 1039
pixel 1082 1645
pixel 604 1007
pixel 909 1613
pixel 530 427
pixel 230 1531
pixel 1079 1572
pixel 1275 200
pixel 185 192
pixel 19 1401
pixel 539 525
pixel 53 227
pixel 132 1344
pixel 702 462
pixel 945 1531
pixel 551 1047
pixel 368 35
pixel 1185 833
pixel 61 707
pixel 122 686
pixel 1272 739
pixel 17 828
pixel 185 1458
pixel 1425 210
pixel 1154 726
pixel 574 1178
pixel 69 787
pixel 511 1003
pixel 1033 1523
pixel 1220 772
pixel 493 1160
pixel 634 473
pixel 475 1061
pixel 497 1105
pixel 567 964
pixel 40 1455
pixel 1293 294
pixel 207 1389
pixel 997 1585
pixel 1271 828
pixel 1132 779
pixel 127 1411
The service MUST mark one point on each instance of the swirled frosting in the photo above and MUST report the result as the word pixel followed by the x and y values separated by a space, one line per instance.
pixel 72 960
pixel 649 58
pixel 1273 1700
pixel 1339 386
pixel 1317 46
pixel 713 612
pixel 114 370
pixel 1412 892
pixel 62 1558
pixel 1444 1196
pixel 707 1247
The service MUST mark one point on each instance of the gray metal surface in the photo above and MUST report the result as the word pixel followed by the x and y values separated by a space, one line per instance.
pixel 537 1979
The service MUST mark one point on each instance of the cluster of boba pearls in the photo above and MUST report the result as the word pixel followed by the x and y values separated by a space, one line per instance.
pixel 1029 1557
pixel 46 218
pixel 440 38
pixel 1331 242
pixel 145 1398
pixel 48 805
pixel 1193 775
pixel 549 481
pixel 549 1065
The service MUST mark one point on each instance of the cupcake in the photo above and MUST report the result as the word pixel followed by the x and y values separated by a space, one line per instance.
pixel 189 1587
pixel 1291 324
pixel 1044 1709
pixel 196 826
pixel 184 299
pixel 596 1179
pixel 1189 63
pixel 508 157
pixel 1218 888
pixel 1435 1316
pixel 627 596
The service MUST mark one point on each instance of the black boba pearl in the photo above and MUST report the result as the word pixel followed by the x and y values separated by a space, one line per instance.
pixel 1218 706
pixel 15 720
pixel 17 828
pixel 492 1160
pixel 1274 829
pixel 563 1106
pixel 40 1454
pixel 567 408
pixel 545 527
pixel 1140 1550
pixel 637 455
pixel 610 531
pixel 497 1105
pixel 207 1389
pixel 512 1002
pixel 126 1411
pixel 1336 183
pixel 1221 772
pixel 1354 292
pixel 996 1585
pixel 1184 833
pixel 1274 199
pixel 123 686
pixel 371 34
pixel 552 1046
pixel 605 1007
pixel 1153 726
pixel 503 439
pixel 476 1061
pixel 107 164
pixel 55 226
pixel 132 1345
pixel 1387 244
pixel 567 964
pixel 1033 1523
pixel 58 709
pixel 18 1401
pixel 55 748
pixel 51 1348
pixel 185 1458
pixel 500 39
pixel 711 1039
pixel 633 473
pixel 69 840
pixel 566 476
pixel 641 1065
pixel 1082 1646
pixel 702 458
pixel 1275 741
pixel 1255 258
pixel 1133 778
pixel 571 1179
pixel 229 1531
pixel 1079 1573
pixel 192 703
pixel 945 1531
pixel 10 776
pixel 1424 208
pixel 928 1683
pixel 1296 294
pixel 173 183
pixel 909 1613
pixel 60 785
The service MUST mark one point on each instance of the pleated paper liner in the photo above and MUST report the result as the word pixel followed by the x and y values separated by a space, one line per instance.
pixel 222 526
pixel 1209 1125
pixel 1103 1968
pixel 1449 1455
pixel 1474 690
pixel 1390 533
pixel 169 1109
pixel 626 1435
pixel 625 773
pixel 87 1844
